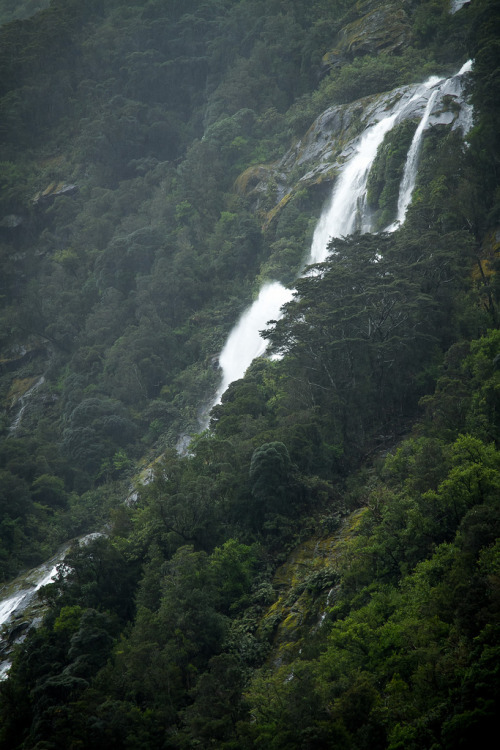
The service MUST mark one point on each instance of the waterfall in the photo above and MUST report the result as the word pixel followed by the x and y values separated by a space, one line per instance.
pixel 407 185
pixel 457 5
pixel 19 601
pixel 22 598
pixel 24 403
pixel 245 343
pixel 345 213
pixel 342 217
pixel 410 171
pixel 26 585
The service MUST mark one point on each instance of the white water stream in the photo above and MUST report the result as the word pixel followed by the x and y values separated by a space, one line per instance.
pixel 19 600
pixel 408 181
pixel 345 213
pixel 436 86
pixel 23 402
pixel 22 594
pixel 457 5
pixel 245 343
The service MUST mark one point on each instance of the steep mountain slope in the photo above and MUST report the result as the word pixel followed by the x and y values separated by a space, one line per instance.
pixel 126 252
pixel 305 578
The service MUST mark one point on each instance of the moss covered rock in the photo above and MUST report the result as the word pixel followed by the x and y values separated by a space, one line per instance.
pixel 306 584
pixel 372 28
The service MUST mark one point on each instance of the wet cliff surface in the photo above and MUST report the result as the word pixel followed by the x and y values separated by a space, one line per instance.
pixel 317 157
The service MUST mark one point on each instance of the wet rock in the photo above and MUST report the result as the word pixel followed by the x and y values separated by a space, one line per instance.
pixel 370 30
pixel 22 357
pixel 306 587
pixel 17 630
pixel 20 606
pixel 251 177
pixel 54 190
pixel 315 159
pixel 20 394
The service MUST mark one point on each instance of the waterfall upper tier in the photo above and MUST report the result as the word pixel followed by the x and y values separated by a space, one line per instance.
pixel 318 157
pixel 343 142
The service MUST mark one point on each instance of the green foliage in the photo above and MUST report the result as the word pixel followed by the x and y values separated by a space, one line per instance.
pixel 48 490
pixel 95 428
pixel 69 619
pixel 11 9
pixel 270 477
pixel 370 75
pixel 121 290
pixel 12 186
pixel 217 703
pixel 231 567
pixel 387 171
pixel 358 316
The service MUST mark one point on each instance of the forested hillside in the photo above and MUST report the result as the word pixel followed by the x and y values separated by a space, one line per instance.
pixel 322 569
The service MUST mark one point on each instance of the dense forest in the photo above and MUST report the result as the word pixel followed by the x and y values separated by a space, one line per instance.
pixel 321 568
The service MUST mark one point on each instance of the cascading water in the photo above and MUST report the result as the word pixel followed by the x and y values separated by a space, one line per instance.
pixel 407 185
pixel 15 602
pixel 345 213
pixel 457 5
pixel 245 343
pixel 23 401
pixel 22 597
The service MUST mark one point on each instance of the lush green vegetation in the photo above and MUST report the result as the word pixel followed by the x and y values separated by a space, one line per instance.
pixel 126 255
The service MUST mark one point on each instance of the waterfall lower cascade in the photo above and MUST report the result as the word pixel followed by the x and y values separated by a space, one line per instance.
pixel 22 597
pixel 245 343
pixel 12 608
pixel 346 212
pixel 23 402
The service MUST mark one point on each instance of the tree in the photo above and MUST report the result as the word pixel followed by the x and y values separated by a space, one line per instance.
pixel 270 480
pixel 358 319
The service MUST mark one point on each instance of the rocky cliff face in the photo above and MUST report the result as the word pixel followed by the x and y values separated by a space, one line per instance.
pixel 317 156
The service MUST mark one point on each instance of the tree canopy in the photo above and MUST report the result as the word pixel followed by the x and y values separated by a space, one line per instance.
pixel 321 568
